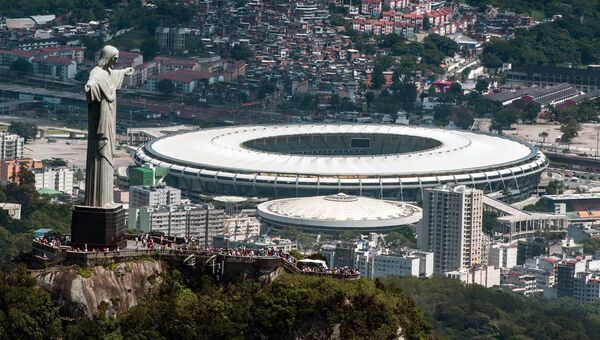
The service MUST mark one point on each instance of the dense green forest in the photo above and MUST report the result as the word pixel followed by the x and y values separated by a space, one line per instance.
pixel 37 211
pixel 542 8
pixel 474 312
pixel 575 38
pixel 292 306
pixel 296 306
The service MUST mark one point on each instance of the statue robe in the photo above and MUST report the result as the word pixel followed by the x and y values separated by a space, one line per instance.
pixel 101 96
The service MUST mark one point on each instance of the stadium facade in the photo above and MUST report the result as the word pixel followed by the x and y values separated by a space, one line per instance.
pixel 381 161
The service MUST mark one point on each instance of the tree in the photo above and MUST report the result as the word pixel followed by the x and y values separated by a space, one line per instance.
pixel 82 76
pixel 455 89
pixel 149 49
pixel 543 135
pixel 377 79
pixel 482 85
pixel 505 118
pixel 529 110
pixel 54 161
pixel 464 119
pixel 26 311
pixel 92 44
pixel 441 114
pixel 555 187
pixel 27 130
pixel 490 219
pixel 241 52
pixel 569 130
pixel 21 66
pixel 166 86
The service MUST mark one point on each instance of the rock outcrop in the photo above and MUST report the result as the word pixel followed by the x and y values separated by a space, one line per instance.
pixel 111 290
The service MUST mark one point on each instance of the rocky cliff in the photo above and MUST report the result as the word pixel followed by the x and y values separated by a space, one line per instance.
pixel 111 290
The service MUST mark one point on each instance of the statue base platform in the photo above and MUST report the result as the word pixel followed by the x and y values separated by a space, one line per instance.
pixel 98 227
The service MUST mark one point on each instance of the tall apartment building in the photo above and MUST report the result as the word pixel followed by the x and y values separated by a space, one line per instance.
pixel 146 195
pixel 55 178
pixel 11 146
pixel 171 37
pixel 451 227
pixel 199 221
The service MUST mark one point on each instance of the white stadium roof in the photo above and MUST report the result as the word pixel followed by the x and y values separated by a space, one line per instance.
pixel 339 211
pixel 222 149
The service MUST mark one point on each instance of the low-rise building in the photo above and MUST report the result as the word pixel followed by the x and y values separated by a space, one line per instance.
pixel 200 222
pixel 487 276
pixel 241 227
pixel 12 209
pixel 150 195
pixel 11 168
pixel 256 243
pixel 54 178
pixel 409 262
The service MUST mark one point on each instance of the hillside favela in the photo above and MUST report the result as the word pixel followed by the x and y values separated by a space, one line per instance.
pixel 277 169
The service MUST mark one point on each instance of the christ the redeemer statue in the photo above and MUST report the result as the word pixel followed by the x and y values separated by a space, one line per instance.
pixel 101 96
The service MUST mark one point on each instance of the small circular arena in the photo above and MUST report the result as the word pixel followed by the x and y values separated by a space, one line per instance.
pixel 337 213
pixel 382 161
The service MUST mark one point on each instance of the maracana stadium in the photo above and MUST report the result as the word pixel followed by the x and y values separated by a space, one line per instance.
pixel 382 161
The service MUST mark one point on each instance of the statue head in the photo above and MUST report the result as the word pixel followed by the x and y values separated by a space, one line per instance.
pixel 108 56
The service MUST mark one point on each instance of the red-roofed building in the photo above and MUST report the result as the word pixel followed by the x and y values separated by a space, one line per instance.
pixel 185 81
pixel 55 67
pixel 170 64
pixel 414 18
pixel 8 57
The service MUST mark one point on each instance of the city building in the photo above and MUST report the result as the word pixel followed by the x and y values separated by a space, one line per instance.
pixel 55 67
pixel 144 196
pixel 452 227
pixel 409 262
pixel 503 256
pixel 487 276
pixel 59 179
pixel 241 227
pixel 11 146
pixel 10 168
pixel 256 243
pixel 528 75
pixel 171 38
pixel 586 287
pixel 565 276
pixel 515 223
pixel 530 248
pixel 12 209
pixel 195 221
pixel 383 161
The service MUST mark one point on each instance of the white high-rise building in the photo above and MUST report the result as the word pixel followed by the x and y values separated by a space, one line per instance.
pixel 503 256
pixel 451 227
pixel 11 146
pixel 55 178
pixel 145 195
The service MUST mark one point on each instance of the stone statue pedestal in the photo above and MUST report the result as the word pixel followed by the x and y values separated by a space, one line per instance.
pixel 98 227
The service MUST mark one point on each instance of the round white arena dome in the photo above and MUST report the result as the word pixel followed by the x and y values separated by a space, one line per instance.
pixel 383 161
pixel 338 212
